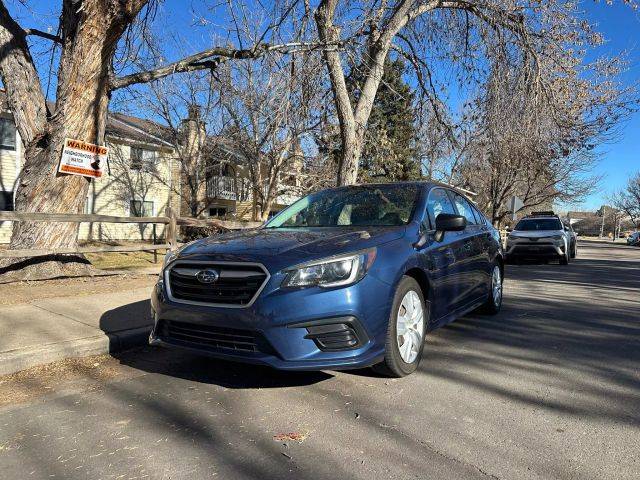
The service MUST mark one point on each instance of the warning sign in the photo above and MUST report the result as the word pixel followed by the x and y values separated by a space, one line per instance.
pixel 81 158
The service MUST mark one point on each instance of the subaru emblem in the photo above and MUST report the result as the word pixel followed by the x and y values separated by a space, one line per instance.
pixel 207 276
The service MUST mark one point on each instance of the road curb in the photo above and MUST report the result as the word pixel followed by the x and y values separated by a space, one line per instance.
pixel 13 361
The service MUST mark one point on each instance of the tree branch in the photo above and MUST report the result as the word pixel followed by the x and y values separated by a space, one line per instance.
pixel 39 33
pixel 20 79
pixel 211 58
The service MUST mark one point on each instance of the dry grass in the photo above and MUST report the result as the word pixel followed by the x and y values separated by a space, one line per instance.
pixel 125 260
pixel 25 292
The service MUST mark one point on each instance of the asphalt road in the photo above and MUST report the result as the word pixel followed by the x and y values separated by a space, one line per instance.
pixel 550 388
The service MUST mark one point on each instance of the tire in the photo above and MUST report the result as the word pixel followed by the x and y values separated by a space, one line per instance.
pixel 574 250
pixel 494 302
pixel 396 363
pixel 564 260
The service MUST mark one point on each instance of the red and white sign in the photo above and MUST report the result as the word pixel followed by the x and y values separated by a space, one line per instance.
pixel 82 158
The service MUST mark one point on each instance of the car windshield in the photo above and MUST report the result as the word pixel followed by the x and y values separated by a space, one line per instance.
pixel 375 205
pixel 533 224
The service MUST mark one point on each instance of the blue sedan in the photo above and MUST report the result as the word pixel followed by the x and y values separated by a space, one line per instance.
pixel 344 278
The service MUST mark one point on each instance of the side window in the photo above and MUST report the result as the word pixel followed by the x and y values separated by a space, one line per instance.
pixel 6 201
pixel 482 220
pixel 141 208
pixel 7 134
pixel 464 209
pixel 438 203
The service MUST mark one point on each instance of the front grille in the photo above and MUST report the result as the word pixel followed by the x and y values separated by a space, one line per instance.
pixel 237 284
pixel 541 248
pixel 195 334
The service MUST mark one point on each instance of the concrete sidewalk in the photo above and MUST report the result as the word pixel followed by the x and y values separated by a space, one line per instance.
pixel 52 329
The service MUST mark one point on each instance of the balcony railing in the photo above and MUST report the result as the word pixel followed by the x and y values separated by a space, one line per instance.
pixel 226 188
pixel 222 187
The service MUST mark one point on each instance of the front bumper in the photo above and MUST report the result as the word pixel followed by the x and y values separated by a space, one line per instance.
pixel 535 250
pixel 283 328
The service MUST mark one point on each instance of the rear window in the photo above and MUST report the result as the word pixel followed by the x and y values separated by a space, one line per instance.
pixel 533 224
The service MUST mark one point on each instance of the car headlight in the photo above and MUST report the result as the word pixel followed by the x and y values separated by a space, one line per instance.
pixel 558 237
pixel 331 272
pixel 169 257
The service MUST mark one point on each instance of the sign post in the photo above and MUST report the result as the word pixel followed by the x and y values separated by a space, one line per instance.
pixel 515 204
pixel 82 158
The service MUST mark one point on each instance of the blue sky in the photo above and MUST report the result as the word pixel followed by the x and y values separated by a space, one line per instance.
pixel 618 22
pixel 620 26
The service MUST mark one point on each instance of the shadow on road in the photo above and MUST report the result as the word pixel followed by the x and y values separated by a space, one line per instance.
pixel 548 388
pixel 207 370
pixel 566 341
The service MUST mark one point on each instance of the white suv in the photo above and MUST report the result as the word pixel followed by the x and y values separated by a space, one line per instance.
pixel 541 235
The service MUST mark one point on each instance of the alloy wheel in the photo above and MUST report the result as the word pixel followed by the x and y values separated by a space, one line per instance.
pixel 410 326
pixel 496 285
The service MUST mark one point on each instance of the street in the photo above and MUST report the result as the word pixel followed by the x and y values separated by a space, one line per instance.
pixel 547 389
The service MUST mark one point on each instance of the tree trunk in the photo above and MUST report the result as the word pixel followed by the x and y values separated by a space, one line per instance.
pixel 90 37
pixel 350 159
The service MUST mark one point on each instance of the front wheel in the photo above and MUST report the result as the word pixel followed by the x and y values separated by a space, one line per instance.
pixel 494 301
pixel 564 260
pixel 406 330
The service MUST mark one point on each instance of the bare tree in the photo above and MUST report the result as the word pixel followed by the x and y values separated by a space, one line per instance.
pixel 456 36
pixel 539 145
pixel 187 115
pixel 270 108
pixel 627 200
pixel 89 35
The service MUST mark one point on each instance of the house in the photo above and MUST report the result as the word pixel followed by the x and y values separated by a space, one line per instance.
pixel 128 187
pixel 606 220
pixel 144 175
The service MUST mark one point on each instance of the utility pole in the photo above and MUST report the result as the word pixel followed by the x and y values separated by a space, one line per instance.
pixel 604 209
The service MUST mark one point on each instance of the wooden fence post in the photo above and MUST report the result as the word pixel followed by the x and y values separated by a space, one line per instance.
pixel 155 242
pixel 172 229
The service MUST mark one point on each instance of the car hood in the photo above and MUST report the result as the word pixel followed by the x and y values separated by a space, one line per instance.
pixel 285 247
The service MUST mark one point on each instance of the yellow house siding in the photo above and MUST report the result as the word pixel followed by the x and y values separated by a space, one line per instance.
pixel 112 195
pixel 109 195
pixel 10 164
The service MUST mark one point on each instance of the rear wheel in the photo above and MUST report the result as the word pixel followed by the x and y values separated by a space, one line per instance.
pixel 574 250
pixel 406 330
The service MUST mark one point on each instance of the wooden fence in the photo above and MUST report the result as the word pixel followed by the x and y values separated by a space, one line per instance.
pixel 171 220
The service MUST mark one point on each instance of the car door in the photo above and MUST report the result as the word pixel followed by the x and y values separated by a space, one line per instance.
pixel 489 246
pixel 444 258
pixel 473 263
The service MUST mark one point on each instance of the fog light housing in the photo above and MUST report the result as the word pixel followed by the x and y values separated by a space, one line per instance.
pixel 334 334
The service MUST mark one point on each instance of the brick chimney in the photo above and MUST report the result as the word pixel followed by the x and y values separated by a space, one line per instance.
pixel 194 137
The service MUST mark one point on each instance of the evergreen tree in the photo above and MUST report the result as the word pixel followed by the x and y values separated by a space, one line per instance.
pixel 389 151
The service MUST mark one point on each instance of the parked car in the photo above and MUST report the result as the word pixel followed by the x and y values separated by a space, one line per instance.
pixel 541 235
pixel 634 239
pixel 344 278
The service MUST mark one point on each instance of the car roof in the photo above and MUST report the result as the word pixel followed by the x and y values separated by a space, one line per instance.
pixel 541 216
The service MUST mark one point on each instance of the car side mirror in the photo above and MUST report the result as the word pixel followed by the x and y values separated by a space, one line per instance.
pixel 448 222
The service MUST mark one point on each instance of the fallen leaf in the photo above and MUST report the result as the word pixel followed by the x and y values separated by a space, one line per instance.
pixel 291 436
